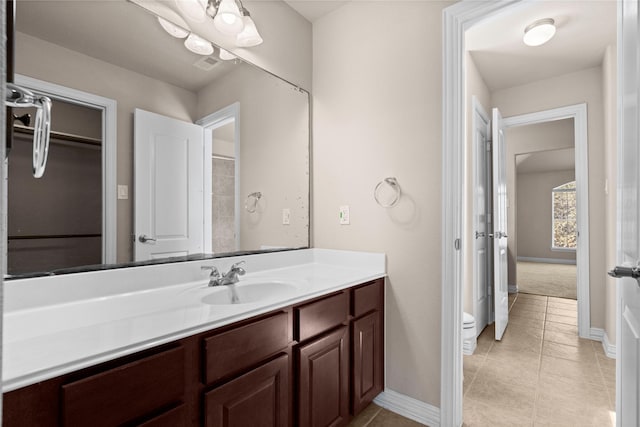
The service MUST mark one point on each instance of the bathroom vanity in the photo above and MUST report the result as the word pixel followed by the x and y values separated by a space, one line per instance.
pixel 311 357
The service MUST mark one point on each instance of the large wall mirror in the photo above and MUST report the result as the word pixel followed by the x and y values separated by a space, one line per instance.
pixel 157 152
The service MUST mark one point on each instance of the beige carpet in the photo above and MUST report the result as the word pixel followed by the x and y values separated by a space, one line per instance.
pixel 554 280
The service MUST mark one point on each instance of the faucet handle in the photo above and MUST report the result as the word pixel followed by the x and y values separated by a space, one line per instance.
pixel 236 267
pixel 212 268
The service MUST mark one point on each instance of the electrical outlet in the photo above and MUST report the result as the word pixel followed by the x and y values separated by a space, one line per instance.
pixel 123 192
pixel 344 215
pixel 286 216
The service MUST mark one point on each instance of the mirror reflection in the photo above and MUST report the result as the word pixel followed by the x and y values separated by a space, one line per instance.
pixel 157 151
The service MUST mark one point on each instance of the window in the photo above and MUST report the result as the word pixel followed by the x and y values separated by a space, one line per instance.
pixel 564 227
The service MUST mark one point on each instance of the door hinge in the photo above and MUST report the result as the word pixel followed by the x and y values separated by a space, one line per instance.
pixel 489 145
pixel 457 244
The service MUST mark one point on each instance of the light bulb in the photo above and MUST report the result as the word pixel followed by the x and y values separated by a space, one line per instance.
pixel 197 44
pixel 249 36
pixel 193 9
pixel 173 29
pixel 225 55
pixel 539 32
pixel 228 19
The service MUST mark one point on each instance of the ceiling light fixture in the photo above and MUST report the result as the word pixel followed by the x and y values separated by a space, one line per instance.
pixel 231 18
pixel 193 9
pixel 225 55
pixel 173 29
pixel 197 44
pixel 539 32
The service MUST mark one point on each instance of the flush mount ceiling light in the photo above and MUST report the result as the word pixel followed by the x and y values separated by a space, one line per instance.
pixel 173 29
pixel 197 44
pixel 539 32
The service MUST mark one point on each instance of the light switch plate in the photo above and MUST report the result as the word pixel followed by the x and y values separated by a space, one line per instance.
pixel 286 216
pixel 123 192
pixel 344 215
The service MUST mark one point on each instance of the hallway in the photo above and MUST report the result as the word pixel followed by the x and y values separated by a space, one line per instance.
pixel 541 373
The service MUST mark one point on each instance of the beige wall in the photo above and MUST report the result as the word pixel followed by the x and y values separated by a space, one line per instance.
pixel 534 217
pixel 377 113
pixel 569 89
pixel 532 138
pixel 274 154
pixel 609 68
pixel 475 87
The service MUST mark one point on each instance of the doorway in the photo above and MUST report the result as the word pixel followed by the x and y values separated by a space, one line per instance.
pixel 457 20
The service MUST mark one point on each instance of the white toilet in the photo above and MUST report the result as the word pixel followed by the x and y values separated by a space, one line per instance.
pixel 468 334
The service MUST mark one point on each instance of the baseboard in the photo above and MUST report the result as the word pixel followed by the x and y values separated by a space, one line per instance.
pixel 547 260
pixel 598 334
pixel 409 407
pixel 513 289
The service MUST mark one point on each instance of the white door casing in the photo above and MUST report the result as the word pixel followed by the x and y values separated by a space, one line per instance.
pixel 500 261
pixel 628 205
pixel 481 216
pixel 168 187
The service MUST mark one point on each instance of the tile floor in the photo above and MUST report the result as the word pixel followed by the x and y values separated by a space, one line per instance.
pixel 541 373
pixel 375 416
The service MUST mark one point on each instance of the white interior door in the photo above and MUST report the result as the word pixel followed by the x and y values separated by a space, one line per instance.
pixel 482 219
pixel 500 285
pixel 628 289
pixel 168 187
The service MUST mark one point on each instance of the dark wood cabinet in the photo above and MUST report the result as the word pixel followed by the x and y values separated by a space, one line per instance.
pixel 258 398
pixel 323 380
pixel 314 364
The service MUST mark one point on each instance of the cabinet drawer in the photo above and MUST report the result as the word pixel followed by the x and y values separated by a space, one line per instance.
pixel 172 418
pixel 320 316
pixel 257 398
pixel 125 393
pixel 367 298
pixel 235 350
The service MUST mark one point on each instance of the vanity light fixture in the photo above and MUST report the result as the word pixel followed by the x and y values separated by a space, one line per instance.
pixel 193 9
pixel 225 55
pixel 539 32
pixel 173 29
pixel 197 44
pixel 230 17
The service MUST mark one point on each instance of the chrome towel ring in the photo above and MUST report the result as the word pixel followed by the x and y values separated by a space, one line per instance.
pixel 251 204
pixel 387 193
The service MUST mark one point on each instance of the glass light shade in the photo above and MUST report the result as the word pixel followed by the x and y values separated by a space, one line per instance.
pixel 539 32
pixel 225 55
pixel 193 9
pixel 228 19
pixel 249 36
pixel 173 29
pixel 197 44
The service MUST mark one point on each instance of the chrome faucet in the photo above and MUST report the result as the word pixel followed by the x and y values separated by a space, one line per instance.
pixel 214 277
pixel 229 278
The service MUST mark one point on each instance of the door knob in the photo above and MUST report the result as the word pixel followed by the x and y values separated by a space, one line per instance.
pixel 145 239
pixel 620 272
pixel 480 234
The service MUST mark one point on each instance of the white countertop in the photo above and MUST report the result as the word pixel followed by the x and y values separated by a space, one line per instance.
pixel 56 325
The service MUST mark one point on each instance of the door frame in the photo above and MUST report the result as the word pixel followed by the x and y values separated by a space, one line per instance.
pixel 578 113
pixel 226 115
pixel 109 151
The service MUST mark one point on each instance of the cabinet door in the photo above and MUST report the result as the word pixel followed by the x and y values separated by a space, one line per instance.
pixel 323 381
pixel 367 360
pixel 259 398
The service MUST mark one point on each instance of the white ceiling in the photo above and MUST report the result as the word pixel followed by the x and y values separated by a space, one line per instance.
pixel 314 9
pixel 584 29
pixel 118 32
pixel 546 161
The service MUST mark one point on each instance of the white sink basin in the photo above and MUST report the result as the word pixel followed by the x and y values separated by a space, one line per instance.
pixel 251 292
